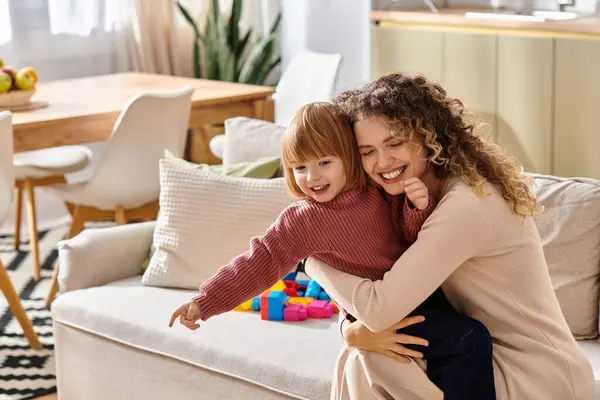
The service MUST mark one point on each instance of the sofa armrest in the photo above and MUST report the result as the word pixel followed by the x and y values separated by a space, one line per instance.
pixel 102 255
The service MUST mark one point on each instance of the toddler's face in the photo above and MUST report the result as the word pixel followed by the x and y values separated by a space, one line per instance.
pixel 322 178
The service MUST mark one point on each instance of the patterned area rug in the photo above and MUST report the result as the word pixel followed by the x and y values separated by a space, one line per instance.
pixel 26 373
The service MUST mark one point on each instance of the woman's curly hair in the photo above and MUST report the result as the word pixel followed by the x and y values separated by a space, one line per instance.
pixel 448 132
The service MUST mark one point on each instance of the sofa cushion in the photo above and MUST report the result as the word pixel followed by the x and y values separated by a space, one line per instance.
pixel 570 232
pixel 591 350
pixel 295 358
pixel 249 139
pixel 207 219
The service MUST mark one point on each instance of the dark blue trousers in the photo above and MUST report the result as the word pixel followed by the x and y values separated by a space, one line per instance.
pixel 459 355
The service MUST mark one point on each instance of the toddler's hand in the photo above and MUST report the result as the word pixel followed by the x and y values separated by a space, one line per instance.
pixel 417 193
pixel 188 314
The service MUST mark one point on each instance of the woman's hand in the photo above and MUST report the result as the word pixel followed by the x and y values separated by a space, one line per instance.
pixel 387 342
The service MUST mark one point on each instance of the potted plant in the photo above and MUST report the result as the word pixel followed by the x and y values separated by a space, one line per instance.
pixel 223 53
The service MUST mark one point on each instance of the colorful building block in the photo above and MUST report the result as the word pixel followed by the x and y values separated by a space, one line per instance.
pixel 305 301
pixel 272 304
pixel 245 306
pixel 256 303
pixel 336 309
pixel 264 305
pixel 320 309
pixel 295 312
pixel 324 296
pixel 313 289
pixel 291 276
pixel 280 285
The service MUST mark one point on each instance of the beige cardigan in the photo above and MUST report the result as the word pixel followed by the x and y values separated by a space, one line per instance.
pixel 491 266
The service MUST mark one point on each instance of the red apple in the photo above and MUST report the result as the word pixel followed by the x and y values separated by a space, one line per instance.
pixel 12 73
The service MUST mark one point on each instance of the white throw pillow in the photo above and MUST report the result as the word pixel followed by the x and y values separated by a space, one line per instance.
pixel 206 220
pixel 251 139
pixel 570 233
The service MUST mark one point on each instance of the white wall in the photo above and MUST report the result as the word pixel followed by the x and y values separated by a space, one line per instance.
pixel 330 26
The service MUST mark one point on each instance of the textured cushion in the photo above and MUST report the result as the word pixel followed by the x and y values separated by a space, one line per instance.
pixel 206 220
pixel 570 233
pixel 295 358
pixel 265 168
pixel 591 350
pixel 250 139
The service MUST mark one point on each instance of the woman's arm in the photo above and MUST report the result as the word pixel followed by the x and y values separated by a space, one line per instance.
pixel 456 231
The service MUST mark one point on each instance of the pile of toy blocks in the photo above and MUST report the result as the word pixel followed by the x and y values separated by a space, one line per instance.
pixel 291 299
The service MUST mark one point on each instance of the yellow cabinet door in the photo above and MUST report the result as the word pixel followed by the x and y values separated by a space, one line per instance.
pixel 577 108
pixel 469 73
pixel 407 50
pixel 524 112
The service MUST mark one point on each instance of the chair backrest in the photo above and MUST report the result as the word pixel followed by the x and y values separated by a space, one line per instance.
pixel 127 171
pixel 7 175
pixel 309 77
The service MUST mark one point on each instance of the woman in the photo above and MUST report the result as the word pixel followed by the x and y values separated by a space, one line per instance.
pixel 480 245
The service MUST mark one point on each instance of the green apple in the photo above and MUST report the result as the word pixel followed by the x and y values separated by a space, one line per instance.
pixel 25 80
pixel 5 82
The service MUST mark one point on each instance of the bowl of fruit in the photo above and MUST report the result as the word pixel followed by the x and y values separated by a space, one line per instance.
pixel 16 86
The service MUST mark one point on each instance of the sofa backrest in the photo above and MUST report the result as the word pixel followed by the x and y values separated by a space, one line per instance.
pixel 570 232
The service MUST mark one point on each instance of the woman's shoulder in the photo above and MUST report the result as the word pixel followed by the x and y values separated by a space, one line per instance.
pixel 487 203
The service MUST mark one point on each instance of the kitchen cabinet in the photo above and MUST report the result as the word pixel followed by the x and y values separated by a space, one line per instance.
pixel 577 108
pixel 524 109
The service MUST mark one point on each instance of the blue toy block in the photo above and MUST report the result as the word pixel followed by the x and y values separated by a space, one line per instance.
pixel 303 282
pixel 300 294
pixel 313 289
pixel 324 296
pixel 256 303
pixel 290 277
pixel 276 304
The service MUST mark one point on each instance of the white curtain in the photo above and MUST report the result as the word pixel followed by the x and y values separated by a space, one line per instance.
pixel 26 39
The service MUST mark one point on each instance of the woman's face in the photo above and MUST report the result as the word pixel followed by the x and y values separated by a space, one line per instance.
pixel 388 160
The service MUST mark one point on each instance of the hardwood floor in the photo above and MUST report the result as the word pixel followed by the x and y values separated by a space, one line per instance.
pixel 48 397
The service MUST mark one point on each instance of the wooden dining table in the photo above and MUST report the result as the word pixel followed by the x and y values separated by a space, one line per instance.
pixel 84 110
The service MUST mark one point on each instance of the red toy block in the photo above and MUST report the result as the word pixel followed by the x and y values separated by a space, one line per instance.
pixel 320 309
pixel 295 312
pixel 290 292
pixel 264 305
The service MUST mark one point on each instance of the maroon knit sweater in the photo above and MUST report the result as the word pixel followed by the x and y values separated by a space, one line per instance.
pixel 359 232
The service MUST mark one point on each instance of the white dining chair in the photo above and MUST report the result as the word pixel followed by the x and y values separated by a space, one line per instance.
pixel 124 186
pixel 7 181
pixel 309 77
pixel 39 168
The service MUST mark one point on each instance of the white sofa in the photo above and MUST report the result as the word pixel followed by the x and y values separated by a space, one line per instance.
pixel 112 338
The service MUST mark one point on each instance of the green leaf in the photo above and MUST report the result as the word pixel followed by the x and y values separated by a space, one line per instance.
pixel 267 70
pixel 276 24
pixel 197 60
pixel 211 58
pixel 239 50
pixel 189 19
pixel 233 27
pixel 257 57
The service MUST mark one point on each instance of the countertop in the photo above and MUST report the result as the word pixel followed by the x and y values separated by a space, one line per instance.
pixel 454 17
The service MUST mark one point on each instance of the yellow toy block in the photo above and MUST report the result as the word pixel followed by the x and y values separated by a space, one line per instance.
pixel 279 286
pixel 305 301
pixel 245 306
pixel 335 307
